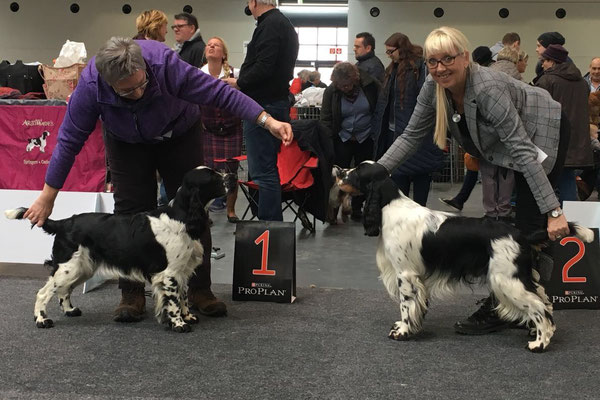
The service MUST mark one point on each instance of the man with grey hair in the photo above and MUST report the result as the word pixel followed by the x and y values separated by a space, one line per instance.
pixel 265 76
pixel 593 76
pixel 147 98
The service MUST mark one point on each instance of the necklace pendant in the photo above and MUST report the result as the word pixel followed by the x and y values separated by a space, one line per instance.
pixel 456 117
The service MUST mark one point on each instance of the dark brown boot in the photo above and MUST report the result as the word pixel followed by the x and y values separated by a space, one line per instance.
pixel 132 306
pixel 205 302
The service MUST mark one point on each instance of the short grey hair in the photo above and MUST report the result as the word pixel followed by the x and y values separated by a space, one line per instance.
pixel 268 2
pixel 119 58
pixel 314 75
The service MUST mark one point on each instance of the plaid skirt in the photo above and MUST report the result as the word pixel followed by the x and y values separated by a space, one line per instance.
pixel 223 146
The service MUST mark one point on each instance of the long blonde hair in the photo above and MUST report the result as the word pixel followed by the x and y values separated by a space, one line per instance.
pixel 443 40
pixel 226 66
pixel 149 22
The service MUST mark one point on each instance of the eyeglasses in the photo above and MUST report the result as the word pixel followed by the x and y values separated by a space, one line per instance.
pixel 132 90
pixel 390 52
pixel 179 26
pixel 446 61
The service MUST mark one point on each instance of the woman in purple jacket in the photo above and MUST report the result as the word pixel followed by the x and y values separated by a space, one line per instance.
pixel 148 99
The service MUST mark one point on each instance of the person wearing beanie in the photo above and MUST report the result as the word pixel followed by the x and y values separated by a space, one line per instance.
pixel 543 41
pixel 482 55
pixel 566 85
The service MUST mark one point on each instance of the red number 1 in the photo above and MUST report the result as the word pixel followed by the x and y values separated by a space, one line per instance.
pixel 264 238
pixel 565 271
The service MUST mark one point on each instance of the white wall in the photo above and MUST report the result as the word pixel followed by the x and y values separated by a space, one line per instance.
pixel 38 30
pixel 480 22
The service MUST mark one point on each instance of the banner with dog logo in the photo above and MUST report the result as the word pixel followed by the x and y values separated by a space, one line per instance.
pixel 264 264
pixel 28 137
pixel 575 280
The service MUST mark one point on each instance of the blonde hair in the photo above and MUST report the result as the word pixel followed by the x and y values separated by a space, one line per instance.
pixel 149 22
pixel 225 61
pixel 508 53
pixel 443 40
pixel 523 56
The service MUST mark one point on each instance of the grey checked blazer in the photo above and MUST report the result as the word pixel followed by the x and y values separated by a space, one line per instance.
pixel 507 119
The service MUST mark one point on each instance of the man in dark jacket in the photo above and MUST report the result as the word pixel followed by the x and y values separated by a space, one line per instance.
pixel 189 43
pixel 265 76
pixel 566 85
pixel 364 51
pixel 348 108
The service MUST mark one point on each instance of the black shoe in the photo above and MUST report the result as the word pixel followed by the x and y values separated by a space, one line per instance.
pixel 485 320
pixel 451 203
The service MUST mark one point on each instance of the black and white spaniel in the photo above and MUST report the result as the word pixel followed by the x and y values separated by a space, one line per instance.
pixel 161 246
pixel 38 142
pixel 424 253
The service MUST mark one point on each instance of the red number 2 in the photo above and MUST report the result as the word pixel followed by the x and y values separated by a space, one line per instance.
pixel 264 238
pixel 565 271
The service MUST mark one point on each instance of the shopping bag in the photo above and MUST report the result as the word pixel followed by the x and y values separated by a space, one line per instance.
pixel 264 264
pixel 575 279
pixel 60 82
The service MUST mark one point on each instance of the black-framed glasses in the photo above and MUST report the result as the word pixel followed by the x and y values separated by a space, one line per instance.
pixel 446 61
pixel 179 26
pixel 390 51
pixel 132 90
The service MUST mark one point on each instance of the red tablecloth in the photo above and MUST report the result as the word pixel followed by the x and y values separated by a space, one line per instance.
pixel 22 140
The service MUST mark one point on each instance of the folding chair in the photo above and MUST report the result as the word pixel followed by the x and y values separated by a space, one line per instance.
pixel 294 166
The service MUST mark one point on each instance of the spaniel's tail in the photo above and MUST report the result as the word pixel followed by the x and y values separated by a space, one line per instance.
pixel 17 213
pixel 580 232
pixel 49 226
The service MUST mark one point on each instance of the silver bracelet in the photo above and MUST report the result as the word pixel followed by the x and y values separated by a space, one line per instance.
pixel 263 120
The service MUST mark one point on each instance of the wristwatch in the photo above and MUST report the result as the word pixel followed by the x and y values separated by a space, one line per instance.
pixel 263 120
pixel 557 212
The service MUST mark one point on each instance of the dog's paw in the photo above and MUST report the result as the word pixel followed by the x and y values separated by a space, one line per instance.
pixel 44 323
pixel 185 328
pixel 399 332
pixel 191 319
pixel 536 346
pixel 76 312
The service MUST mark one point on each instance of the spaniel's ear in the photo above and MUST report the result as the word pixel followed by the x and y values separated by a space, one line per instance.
pixel 195 206
pixel 372 209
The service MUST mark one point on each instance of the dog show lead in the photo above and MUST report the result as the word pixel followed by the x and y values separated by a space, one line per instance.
pixel 147 99
pixel 504 121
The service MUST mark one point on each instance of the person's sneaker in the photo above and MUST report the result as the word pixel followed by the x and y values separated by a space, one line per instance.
pixel 485 320
pixel 205 302
pixel 132 306
pixel 217 205
pixel 451 203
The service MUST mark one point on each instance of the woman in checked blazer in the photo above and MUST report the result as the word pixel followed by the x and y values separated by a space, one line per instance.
pixel 494 117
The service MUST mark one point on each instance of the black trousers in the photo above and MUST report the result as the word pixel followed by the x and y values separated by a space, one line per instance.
pixel 133 174
pixel 528 217
pixel 351 150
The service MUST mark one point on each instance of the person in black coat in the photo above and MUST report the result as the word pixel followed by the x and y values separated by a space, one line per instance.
pixel 347 112
pixel 190 44
pixel 403 80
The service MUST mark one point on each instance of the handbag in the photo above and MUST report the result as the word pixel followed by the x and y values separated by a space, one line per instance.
pixel 60 82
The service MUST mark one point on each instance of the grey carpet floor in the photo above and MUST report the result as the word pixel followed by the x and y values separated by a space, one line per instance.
pixel 330 344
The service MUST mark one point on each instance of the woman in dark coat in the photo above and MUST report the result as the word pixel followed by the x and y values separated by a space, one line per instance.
pixel 403 80
pixel 566 85
pixel 347 112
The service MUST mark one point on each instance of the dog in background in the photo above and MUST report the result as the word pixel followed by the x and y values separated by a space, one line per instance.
pixel 424 253
pixel 161 246
pixel 38 142
pixel 338 199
